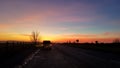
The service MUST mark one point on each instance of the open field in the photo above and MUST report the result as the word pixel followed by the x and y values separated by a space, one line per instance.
pixel 14 53
pixel 104 47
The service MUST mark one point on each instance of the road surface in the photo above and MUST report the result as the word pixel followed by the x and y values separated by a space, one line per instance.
pixel 69 57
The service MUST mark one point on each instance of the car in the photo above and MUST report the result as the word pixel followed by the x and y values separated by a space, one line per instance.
pixel 47 45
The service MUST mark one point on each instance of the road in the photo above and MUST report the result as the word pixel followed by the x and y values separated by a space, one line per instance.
pixel 69 57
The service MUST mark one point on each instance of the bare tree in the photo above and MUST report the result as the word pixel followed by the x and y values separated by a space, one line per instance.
pixel 35 37
pixel 77 41
pixel 96 42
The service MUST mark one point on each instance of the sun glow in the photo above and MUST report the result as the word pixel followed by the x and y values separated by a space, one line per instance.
pixel 13 36
pixel 46 38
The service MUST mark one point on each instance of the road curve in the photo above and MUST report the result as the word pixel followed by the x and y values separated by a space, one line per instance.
pixel 69 57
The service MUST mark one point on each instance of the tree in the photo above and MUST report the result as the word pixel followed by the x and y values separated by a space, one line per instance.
pixel 77 41
pixel 96 42
pixel 35 37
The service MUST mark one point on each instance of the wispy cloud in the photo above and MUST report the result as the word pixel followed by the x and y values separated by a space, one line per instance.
pixel 25 35
pixel 103 37
pixel 13 36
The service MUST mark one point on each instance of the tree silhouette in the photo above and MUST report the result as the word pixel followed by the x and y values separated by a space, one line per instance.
pixel 96 42
pixel 77 41
pixel 35 37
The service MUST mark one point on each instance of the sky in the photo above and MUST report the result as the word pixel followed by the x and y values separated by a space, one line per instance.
pixel 60 20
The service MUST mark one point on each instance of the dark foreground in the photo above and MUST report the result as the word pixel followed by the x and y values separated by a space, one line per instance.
pixel 69 57
pixel 13 53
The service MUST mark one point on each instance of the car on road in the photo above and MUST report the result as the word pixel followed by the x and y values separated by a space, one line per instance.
pixel 47 45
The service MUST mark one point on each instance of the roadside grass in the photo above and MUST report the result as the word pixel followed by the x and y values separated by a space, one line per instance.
pixel 12 54
pixel 106 47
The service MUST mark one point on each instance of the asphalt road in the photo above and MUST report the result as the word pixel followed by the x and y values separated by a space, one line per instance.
pixel 69 57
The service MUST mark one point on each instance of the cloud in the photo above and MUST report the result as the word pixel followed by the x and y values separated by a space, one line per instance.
pixel 92 36
pixel 53 11
pixel 111 34
pixel 25 35
pixel 13 36
pixel 106 33
pixel 79 35
pixel 32 15
pixel 2 26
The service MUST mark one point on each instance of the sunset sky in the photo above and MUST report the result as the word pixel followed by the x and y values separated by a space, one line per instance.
pixel 60 20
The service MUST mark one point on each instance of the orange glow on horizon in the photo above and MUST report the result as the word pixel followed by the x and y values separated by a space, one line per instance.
pixel 89 40
pixel 18 37
pixel 14 37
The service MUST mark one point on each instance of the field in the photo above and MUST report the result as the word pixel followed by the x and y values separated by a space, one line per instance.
pixel 13 53
pixel 104 47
